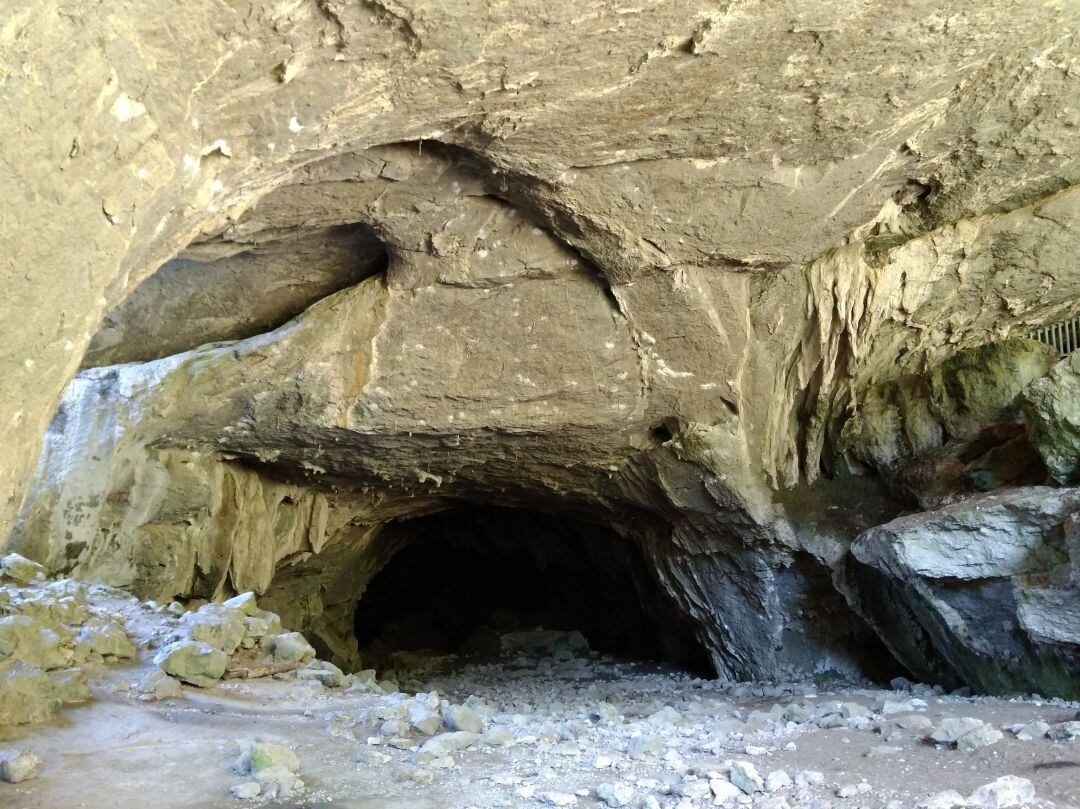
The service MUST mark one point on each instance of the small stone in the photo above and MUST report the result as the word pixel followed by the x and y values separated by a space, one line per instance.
pixel 852 790
pixel 265 755
pixel 884 751
pixel 17 766
pixel 246 791
pixel 745 776
pixel 777 780
pixel 949 799
pixel 979 737
pixel 215 625
pixel 853 710
pixel 557 799
pixel 723 791
pixel 373 757
pixel 917 724
pixel 243 603
pixel 950 730
pixel 641 746
pixel 109 640
pixel 288 647
pixel 1065 731
pixel 665 716
pixel 1032 730
pixel 890 707
pixel 1005 792
pixel 497 737
pixel 809 778
pixel 20 569
pixel 321 671
pixel 446 743
pixel 618 794
pixel 459 717
pixel 278 782
pixel 158 685
pixel 193 662
pixel 695 789
pixel 424 718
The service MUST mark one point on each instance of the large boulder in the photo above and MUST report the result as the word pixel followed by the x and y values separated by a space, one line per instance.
pixel 1052 409
pixel 983 592
pixel 193 662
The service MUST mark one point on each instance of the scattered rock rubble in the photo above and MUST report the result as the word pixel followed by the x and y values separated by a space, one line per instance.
pixel 549 724
pixel 51 636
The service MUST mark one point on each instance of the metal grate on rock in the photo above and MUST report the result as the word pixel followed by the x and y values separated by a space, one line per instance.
pixel 1064 336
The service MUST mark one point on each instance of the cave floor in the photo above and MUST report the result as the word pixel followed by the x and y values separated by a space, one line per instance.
pixel 571 724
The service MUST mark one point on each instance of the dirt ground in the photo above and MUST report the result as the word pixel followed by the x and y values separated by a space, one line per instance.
pixel 564 718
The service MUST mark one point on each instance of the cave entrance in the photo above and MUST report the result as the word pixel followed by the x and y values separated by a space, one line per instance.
pixel 465 581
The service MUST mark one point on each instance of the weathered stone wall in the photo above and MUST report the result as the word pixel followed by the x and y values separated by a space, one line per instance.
pixel 653 277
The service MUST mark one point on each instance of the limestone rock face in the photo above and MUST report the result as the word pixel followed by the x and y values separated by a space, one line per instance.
pixel 1052 407
pixel 327 266
pixel 955 429
pixel 979 592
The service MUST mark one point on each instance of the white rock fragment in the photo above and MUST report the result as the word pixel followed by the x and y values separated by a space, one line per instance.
pixel 19 569
pixel 249 790
pixel 949 799
pixel 557 799
pixel 966 733
pixel 1065 731
pixel 17 766
pixel 497 737
pixel 777 780
pixel 288 647
pixel 853 790
pixel 461 717
pixel 266 755
pixel 193 662
pixel 745 776
pixel 1032 730
pixel 446 743
pixel 617 794
pixel 641 746
pixel 158 685
pixel 979 737
pixel 278 782
pixel 723 791
pixel 1002 793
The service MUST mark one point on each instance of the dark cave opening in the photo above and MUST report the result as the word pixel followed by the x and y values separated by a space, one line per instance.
pixel 464 578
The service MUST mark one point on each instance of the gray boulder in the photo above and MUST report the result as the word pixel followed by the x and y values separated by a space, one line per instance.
pixel 1051 408
pixel 193 662
pixel 17 766
pixel 981 592
pixel 19 569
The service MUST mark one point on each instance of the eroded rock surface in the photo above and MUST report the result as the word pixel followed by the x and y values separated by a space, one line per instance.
pixel 677 285
pixel 981 592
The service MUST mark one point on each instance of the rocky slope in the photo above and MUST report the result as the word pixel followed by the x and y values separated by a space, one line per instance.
pixel 216 705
